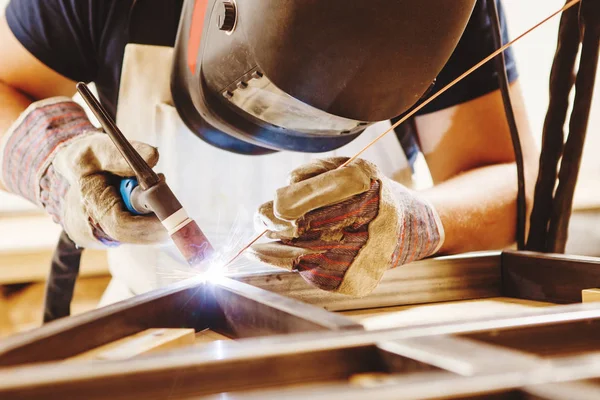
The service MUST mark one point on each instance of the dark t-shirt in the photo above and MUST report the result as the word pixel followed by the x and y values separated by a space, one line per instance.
pixel 85 40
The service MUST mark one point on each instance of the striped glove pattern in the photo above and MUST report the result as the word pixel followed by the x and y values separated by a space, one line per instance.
pixel 341 229
pixel 54 157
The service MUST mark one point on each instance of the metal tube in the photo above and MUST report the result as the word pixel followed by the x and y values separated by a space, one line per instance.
pixel 144 174
pixel 571 161
pixel 561 82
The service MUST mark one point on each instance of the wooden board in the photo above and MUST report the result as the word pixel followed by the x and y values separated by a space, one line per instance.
pixel 589 295
pixel 21 308
pixel 405 316
pixel 26 252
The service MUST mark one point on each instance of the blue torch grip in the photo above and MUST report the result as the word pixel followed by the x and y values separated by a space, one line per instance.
pixel 126 189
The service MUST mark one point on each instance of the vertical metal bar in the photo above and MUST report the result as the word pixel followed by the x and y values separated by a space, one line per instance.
pixel 561 82
pixel 571 162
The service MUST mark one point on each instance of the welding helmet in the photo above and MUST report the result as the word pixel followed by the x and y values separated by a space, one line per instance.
pixel 259 76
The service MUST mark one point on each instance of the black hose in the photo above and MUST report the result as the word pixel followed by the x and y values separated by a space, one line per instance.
pixel 512 124
pixel 61 281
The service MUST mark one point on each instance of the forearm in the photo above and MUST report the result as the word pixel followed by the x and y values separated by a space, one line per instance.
pixel 13 104
pixel 478 208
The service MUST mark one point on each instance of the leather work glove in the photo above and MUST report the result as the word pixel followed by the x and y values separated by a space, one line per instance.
pixel 54 157
pixel 341 229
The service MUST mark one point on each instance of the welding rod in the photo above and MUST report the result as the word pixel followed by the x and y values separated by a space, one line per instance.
pixel 153 193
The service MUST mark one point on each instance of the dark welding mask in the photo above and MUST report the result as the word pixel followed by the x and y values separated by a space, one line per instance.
pixel 259 76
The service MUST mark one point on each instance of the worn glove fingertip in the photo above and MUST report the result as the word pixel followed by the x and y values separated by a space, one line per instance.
pixel 263 254
pixel 149 153
pixel 314 168
pixel 278 254
pixel 277 228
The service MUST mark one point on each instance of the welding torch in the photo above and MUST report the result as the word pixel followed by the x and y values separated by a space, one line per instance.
pixel 148 191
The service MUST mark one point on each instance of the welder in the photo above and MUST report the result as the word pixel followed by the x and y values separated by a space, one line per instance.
pixel 254 102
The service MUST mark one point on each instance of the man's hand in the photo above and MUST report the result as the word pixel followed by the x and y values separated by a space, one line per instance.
pixel 342 228
pixel 54 157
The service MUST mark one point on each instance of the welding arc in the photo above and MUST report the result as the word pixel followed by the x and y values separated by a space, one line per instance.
pixel 429 100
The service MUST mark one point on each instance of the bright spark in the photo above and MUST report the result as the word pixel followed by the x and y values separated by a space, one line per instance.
pixel 220 264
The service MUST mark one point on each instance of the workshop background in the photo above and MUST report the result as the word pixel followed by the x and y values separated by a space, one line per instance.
pixel 28 237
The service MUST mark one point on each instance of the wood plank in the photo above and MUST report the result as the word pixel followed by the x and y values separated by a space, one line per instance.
pixel 589 295
pixel 463 277
pixel 25 254
pixel 34 266
pixel 556 278
pixel 24 307
pixel 150 340
pixel 405 316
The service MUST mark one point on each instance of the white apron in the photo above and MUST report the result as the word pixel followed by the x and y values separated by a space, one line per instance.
pixel 219 189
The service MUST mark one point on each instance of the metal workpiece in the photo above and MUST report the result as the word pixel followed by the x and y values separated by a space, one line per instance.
pixel 286 348
pixel 425 362
pixel 230 307
pixel 579 35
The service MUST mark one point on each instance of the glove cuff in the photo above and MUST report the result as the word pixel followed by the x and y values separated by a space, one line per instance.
pixel 29 146
pixel 421 231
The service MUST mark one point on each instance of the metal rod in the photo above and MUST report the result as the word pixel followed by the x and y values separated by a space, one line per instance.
pixel 429 100
pixel 561 83
pixel 571 161
pixel 144 174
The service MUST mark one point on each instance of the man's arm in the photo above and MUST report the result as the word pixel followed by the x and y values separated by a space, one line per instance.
pixel 24 79
pixel 470 155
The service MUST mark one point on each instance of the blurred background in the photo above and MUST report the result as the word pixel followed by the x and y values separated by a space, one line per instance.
pixel 27 237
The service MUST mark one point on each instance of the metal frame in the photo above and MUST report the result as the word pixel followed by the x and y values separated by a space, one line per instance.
pixel 548 353
pixel 233 308
pixel 456 354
